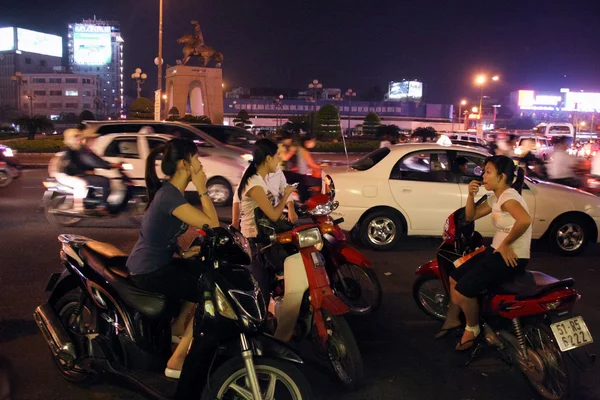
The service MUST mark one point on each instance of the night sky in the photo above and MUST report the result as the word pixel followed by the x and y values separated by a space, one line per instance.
pixel 351 44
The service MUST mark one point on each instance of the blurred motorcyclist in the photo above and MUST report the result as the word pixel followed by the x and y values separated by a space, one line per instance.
pixel 77 168
pixel 532 165
pixel 561 167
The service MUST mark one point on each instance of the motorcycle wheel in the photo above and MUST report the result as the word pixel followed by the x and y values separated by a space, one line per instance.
pixel 430 296
pixel 5 179
pixel 57 203
pixel 277 379
pixel 359 288
pixel 137 209
pixel 65 307
pixel 342 351
pixel 552 373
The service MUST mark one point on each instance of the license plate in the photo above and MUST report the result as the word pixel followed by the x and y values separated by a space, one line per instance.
pixel 571 333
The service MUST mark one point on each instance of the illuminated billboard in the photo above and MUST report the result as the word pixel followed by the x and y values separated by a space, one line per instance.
pixel 582 101
pixel 7 39
pixel 91 44
pixel 406 90
pixel 563 101
pixel 529 100
pixel 39 43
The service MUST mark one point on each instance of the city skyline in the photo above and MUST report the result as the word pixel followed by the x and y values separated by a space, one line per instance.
pixel 288 45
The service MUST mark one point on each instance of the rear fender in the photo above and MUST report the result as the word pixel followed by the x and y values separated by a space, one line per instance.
pixel 353 256
pixel 429 268
pixel 64 284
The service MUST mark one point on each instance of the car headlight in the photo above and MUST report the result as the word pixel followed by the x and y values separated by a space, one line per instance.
pixel 518 151
pixel 223 305
pixel 309 237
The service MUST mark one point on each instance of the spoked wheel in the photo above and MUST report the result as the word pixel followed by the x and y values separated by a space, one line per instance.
pixel 342 351
pixel 64 203
pixel 359 288
pixel 5 179
pixel 65 308
pixel 430 296
pixel 550 372
pixel 277 380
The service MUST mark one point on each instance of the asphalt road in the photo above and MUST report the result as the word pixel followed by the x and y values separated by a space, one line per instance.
pixel 401 359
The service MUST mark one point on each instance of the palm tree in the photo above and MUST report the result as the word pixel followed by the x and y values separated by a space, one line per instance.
pixel 33 124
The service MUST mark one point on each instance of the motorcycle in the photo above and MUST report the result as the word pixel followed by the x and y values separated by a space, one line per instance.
pixel 350 272
pixel 530 320
pixel 7 174
pixel 303 304
pixel 57 202
pixel 96 321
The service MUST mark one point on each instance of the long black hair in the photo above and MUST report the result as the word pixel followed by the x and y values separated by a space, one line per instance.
pixel 515 176
pixel 262 149
pixel 172 151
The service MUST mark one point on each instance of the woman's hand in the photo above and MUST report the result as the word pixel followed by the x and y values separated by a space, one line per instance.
pixel 507 253
pixel 289 189
pixel 292 216
pixel 199 178
pixel 191 252
pixel 474 188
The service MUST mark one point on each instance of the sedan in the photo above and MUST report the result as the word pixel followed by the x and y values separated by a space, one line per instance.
pixel 411 189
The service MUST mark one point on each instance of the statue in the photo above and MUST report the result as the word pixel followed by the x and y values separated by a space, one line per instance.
pixel 194 46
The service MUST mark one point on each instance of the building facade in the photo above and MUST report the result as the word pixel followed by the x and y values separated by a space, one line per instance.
pixel 96 48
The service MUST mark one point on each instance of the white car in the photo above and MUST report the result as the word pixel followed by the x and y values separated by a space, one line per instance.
pixel 132 149
pixel 411 189
pixel 543 147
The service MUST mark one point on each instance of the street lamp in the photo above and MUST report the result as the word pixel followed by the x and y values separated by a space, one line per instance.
pixel 232 106
pixel 315 85
pixel 278 105
pixel 140 78
pixel 29 94
pixel 349 95
pixel 164 97
pixel 19 80
pixel 474 109
pixel 480 80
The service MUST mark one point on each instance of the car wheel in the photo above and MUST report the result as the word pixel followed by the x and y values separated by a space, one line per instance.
pixel 568 235
pixel 220 192
pixel 381 230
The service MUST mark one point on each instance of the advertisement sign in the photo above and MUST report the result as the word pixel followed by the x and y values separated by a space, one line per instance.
pixel 529 100
pixel 585 102
pixel 91 44
pixel 7 39
pixel 406 90
pixel 39 43
pixel 157 105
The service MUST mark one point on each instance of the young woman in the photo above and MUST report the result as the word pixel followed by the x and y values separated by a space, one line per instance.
pixel 168 215
pixel 254 193
pixel 508 255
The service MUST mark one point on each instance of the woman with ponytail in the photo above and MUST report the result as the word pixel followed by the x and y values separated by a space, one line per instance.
pixel 168 215
pixel 504 259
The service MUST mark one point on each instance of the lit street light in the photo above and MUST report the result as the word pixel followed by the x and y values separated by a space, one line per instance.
pixel 480 80
pixel 315 85
pixel 462 103
pixel 278 105
pixel 164 97
pixel 140 78
pixel 349 94
pixel 474 109
pixel 19 80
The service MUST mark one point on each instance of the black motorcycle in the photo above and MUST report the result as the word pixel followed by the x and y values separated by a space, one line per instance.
pixel 96 321
pixel 58 202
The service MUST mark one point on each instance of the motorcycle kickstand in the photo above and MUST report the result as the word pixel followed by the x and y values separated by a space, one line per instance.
pixel 474 354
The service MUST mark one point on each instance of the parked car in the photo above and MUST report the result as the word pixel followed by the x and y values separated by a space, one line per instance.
pixel 132 149
pixel 467 140
pixel 412 188
pixel 543 146
pixel 231 135
pixel 203 140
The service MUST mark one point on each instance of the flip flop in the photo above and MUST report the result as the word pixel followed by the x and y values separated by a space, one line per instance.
pixel 172 373
pixel 464 346
pixel 445 331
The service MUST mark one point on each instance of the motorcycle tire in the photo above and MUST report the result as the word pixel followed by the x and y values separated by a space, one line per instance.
pixel 353 289
pixel 56 219
pixel 535 333
pixel 64 308
pixel 5 179
pixel 342 351
pixel 233 371
pixel 437 306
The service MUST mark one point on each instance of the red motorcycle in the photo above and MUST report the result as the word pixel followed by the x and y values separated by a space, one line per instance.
pixel 529 320
pixel 350 272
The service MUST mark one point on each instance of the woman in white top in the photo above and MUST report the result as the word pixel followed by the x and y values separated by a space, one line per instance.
pixel 505 259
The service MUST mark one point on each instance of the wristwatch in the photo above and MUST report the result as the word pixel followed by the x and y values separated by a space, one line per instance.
pixel 204 194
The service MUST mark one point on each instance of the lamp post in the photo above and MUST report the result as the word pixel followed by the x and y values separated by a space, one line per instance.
pixel 232 106
pixel 278 105
pixel 140 78
pixel 349 94
pixel 164 97
pixel 315 85
pixel 159 59
pixel 462 103
pixel 31 97
pixel 19 80
pixel 480 80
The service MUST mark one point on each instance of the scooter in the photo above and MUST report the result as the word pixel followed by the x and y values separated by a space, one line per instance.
pixel 97 322
pixel 303 303
pixel 530 320
pixel 350 272
pixel 7 174
pixel 57 202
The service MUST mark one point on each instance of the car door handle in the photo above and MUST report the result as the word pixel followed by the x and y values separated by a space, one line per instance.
pixel 406 190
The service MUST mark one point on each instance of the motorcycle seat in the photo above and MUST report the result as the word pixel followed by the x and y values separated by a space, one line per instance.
pixel 532 284
pixel 110 263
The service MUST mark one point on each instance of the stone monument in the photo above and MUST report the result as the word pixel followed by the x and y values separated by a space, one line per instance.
pixel 202 85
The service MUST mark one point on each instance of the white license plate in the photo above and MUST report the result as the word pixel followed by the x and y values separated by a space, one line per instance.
pixel 571 333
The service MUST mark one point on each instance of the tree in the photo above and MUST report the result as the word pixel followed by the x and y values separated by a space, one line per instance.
pixel 328 123
pixel 33 124
pixel 242 120
pixel 298 123
pixel 174 112
pixel 371 123
pixel 196 119
pixel 391 130
pixel 141 108
pixel 8 113
pixel 424 134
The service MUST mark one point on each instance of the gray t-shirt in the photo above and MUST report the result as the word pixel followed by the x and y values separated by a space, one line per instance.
pixel 159 232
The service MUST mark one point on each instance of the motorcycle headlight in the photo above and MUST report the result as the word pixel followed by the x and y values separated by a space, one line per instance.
pixel 8 152
pixel 223 305
pixel 309 237
pixel 324 209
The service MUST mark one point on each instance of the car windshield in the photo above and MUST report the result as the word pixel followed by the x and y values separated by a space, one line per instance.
pixel 371 159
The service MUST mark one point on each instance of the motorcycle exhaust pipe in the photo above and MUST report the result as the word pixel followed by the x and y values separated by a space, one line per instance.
pixel 55 334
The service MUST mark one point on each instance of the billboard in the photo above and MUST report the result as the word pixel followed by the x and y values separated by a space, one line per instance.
pixel 39 43
pixel 7 39
pixel 564 101
pixel 585 102
pixel 406 90
pixel 91 44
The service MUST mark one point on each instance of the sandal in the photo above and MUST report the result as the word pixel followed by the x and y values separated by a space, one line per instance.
pixel 445 331
pixel 469 344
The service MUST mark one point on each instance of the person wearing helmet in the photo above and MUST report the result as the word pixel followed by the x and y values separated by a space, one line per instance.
pixel 78 168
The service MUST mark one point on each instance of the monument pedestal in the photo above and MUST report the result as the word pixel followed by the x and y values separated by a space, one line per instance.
pixel 203 87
